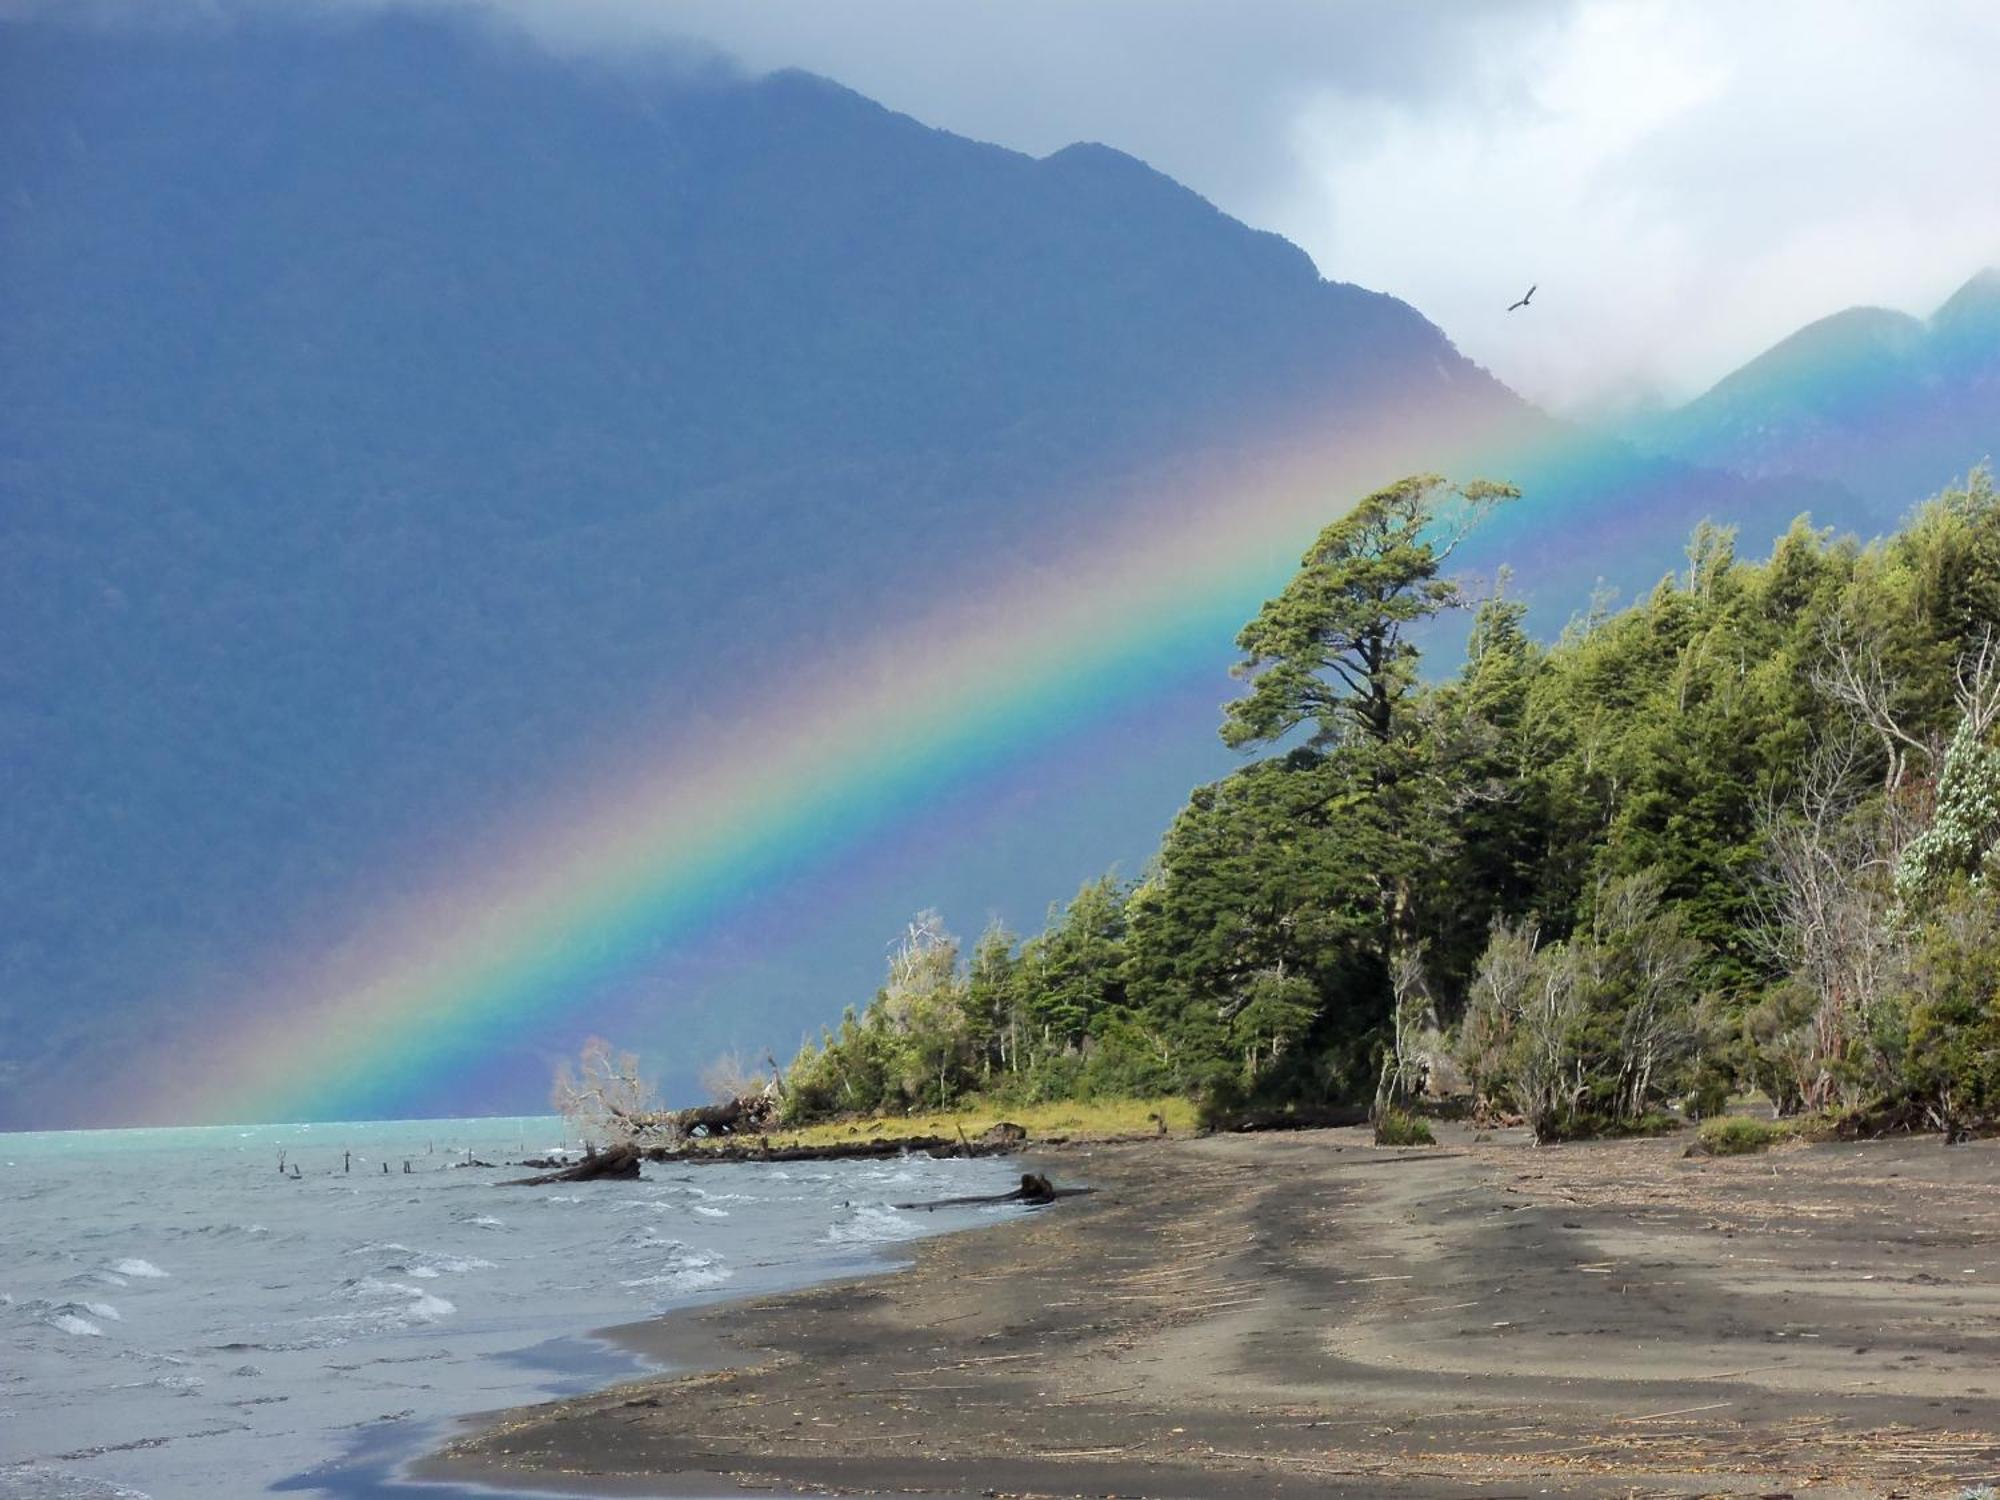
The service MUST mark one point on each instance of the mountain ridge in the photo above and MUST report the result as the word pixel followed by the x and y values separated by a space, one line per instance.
pixel 1886 404
pixel 401 419
pixel 397 417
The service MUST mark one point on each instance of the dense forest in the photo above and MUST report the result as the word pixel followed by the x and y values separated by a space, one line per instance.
pixel 1735 836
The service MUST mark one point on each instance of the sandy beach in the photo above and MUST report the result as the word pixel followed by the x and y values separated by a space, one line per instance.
pixel 1308 1315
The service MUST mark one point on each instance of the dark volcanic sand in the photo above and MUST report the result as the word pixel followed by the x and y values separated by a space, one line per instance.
pixel 1307 1315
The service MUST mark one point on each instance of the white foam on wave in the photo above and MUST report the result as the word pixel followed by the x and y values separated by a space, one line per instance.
pixel 687 1279
pixel 712 1213
pixel 103 1310
pixel 686 1270
pixel 427 1308
pixel 871 1224
pixel 454 1265
pixel 419 1305
pixel 34 1481
pixel 71 1323
pixel 137 1267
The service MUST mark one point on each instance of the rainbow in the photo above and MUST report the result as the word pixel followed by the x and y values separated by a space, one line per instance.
pixel 537 921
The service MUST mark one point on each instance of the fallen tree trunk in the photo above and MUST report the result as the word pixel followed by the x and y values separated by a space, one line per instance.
pixel 1294 1119
pixel 868 1150
pixel 1034 1188
pixel 620 1163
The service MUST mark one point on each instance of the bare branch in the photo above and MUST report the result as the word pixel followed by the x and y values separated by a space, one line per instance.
pixel 1851 672
pixel 1978 690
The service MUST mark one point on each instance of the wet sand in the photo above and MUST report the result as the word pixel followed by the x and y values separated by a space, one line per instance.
pixel 1308 1315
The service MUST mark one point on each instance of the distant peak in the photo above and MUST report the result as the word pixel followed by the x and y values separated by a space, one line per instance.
pixel 1854 333
pixel 1978 299
pixel 1097 154
pixel 1092 161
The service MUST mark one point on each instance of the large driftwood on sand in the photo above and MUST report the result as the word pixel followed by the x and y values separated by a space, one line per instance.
pixel 1294 1119
pixel 620 1163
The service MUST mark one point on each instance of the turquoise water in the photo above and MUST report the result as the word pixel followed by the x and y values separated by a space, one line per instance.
pixel 182 1319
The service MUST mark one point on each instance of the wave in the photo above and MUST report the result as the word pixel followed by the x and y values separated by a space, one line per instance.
pixel 417 1305
pixel 452 1265
pixel 83 1319
pixel 34 1481
pixel 137 1267
pixel 686 1270
pixel 872 1224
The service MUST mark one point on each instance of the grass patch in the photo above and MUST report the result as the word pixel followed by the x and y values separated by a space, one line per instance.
pixel 1739 1135
pixel 1398 1127
pixel 1079 1121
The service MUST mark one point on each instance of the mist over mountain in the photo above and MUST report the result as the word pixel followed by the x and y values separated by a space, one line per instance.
pixel 1888 406
pixel 398 419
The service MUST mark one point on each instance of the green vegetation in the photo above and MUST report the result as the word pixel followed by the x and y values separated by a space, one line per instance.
pixel 1739 835
pixel 1398 1127
pixel 1096 1119
pixel 1739 1135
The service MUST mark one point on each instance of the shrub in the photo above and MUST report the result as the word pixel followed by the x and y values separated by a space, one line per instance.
pixel 1738 1135
pixel 1397 1127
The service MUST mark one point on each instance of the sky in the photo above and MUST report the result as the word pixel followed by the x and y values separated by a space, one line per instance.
pixel 1686 182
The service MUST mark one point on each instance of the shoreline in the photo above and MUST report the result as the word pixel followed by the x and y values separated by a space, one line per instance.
pixel 1308 1314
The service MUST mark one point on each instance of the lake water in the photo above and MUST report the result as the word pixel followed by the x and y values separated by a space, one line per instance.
pixel 179 1320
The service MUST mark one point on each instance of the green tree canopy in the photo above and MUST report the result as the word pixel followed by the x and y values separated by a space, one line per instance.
pixel 1333 649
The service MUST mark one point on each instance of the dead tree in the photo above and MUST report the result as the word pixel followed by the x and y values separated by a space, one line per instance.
pixel 620 1163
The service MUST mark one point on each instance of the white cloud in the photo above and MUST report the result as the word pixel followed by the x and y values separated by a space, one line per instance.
pixel 1689 182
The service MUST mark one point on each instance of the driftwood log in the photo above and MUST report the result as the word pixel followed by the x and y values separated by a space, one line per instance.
pixel 874 1149
pixel 747 1113
pixel 623 1161
pixel 1294 1119
pixel 620 1163
pixel 1034 1188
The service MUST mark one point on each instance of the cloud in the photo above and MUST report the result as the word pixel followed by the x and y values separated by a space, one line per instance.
pixel 1688 183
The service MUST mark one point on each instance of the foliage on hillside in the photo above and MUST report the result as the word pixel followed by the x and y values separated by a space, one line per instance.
pixel 1739 834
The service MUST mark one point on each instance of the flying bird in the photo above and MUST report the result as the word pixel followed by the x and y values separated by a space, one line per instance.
pixel 1526 297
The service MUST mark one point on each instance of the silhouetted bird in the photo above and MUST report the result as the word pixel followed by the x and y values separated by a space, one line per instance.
pixel 1526 297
